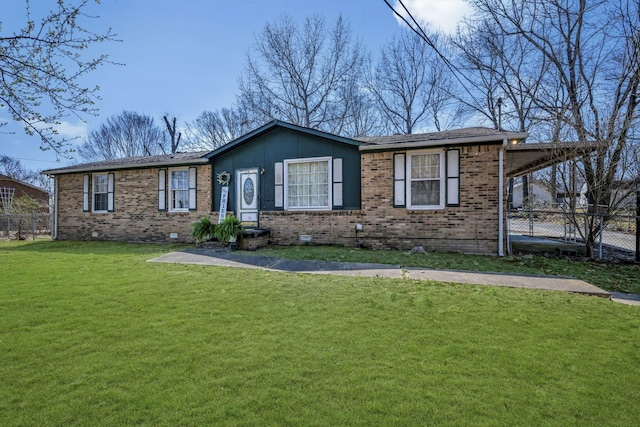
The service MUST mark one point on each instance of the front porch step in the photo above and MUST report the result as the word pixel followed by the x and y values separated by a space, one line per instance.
pixel 254 238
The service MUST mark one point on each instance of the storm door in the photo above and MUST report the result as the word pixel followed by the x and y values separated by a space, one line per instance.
pixel 247 196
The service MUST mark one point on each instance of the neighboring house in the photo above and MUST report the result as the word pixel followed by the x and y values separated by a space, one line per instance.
pixel 624 195
pixel 444 191
pixel 539 195
pixel 11 189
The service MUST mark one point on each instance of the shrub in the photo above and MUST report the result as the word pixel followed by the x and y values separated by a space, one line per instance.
pixel 203 229
pixel 228 228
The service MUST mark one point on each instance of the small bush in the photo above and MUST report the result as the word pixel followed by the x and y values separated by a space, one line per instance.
pixel 228 228
pixel 203 229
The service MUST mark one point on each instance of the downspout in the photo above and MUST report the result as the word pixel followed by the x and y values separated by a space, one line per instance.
pixel 55 208
pixel 501 198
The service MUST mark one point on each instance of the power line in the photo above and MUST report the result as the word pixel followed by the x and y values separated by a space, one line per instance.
pixel 423 35
pixel 31 160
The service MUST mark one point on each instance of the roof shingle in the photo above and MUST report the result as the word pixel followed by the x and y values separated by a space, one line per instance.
pixel 134 162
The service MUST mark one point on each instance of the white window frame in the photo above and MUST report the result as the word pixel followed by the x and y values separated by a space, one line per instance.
pixel 171 190
pixel 326 207
pixel 94 187
pixel 442 178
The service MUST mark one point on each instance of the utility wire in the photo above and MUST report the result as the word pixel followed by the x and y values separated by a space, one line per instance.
pixel 416 28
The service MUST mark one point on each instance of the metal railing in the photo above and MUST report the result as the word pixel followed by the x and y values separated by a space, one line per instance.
pixel 615 234
pixel 25 226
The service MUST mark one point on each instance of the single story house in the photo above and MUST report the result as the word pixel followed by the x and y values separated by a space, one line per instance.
pixel 444 191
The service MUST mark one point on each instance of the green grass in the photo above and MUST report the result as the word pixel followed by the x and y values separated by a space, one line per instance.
pixel 610 276
pixel 92 334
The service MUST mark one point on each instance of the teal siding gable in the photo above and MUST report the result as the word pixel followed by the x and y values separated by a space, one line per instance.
pixel 280 143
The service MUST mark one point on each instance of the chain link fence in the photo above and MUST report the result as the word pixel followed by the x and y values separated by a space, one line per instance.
pixel 25 226
pixel 616 234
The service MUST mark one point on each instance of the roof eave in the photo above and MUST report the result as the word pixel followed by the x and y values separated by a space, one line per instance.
pixel 175 162
pixel 496 138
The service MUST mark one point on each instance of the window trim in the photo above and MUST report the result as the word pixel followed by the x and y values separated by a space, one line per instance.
pixel 441 179
pixel 329 205
pixel 171 190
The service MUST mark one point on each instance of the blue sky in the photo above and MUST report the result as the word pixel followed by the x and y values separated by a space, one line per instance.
pixel 184 57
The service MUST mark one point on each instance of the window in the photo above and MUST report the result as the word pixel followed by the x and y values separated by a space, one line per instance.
pixel 308 183
pixel 179 193
pixel 425 186
pixel 100 193
pixel 182 190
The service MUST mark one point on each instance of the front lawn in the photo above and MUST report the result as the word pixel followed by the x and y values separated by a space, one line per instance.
pixel 617 277
pixel 92 334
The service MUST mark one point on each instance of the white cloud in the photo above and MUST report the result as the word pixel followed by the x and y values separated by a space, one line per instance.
pixel 439 14
pixel 70 130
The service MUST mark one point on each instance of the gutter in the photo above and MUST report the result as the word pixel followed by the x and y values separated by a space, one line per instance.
pixel 506 136
pixel 176 162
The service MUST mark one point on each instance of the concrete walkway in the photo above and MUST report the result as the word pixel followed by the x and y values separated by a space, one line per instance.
pixel 222 259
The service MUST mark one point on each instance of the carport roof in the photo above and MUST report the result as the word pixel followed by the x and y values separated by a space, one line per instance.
pixel 522 159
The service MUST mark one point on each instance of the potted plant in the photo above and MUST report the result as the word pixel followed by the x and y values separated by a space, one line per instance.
pixel 203 229
pixel 228 230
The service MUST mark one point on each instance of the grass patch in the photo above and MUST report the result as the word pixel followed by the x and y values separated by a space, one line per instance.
pixel 609 276
pixel 92 334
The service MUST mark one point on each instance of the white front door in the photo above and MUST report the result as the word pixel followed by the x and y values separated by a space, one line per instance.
pixel 247 196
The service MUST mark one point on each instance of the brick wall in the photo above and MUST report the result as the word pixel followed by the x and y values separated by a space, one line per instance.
pixel 324 228
pixel 136 216
pixel 471 228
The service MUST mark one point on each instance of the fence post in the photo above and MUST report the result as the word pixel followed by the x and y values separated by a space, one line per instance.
pixel 600 239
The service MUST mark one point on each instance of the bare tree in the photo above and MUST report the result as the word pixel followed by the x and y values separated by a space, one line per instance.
pixel 593 52
pixel 407 84
pixel 504 76
pixel 589 55
pixel 14 169
pixel 173 131
pixel 43 71
pixel 128 134
pixel 213 129
pixel 299 73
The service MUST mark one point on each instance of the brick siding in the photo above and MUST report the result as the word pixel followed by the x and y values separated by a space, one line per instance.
pixel 136 216
pixel 471 227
